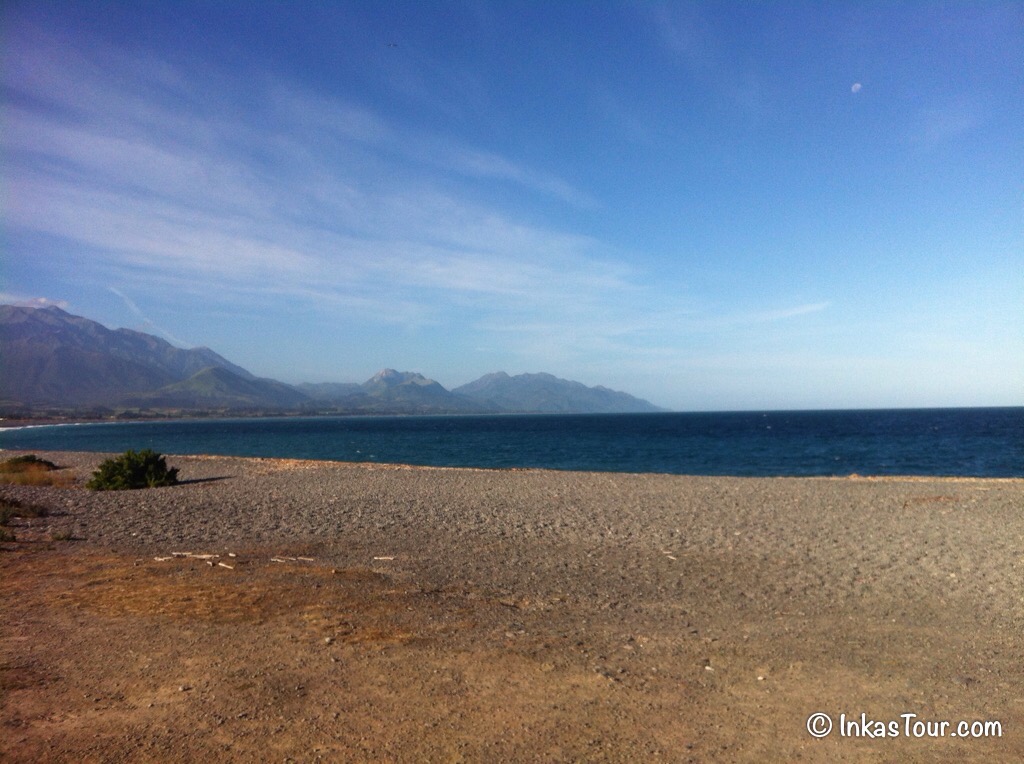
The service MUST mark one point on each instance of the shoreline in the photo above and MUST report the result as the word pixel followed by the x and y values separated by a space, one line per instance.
pixel 403 466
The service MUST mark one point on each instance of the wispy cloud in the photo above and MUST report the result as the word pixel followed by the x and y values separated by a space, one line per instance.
pixel 313 204
pixel 938 125
pixel 682 30
pixel 668 336
pixel 21 301
pixel 329 206
pixel 475 162
pixel 321 118
pixel 147 322
pixel 782 314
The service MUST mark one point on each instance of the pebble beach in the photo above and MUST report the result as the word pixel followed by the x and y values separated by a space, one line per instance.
pixel 546 616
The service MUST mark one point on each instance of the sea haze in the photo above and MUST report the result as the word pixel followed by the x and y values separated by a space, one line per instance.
pixel 977 442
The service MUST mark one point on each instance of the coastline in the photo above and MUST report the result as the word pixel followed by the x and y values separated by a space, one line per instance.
pixel 434 613
pixel 79 458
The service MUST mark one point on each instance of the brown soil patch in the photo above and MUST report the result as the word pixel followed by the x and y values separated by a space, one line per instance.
pixel 114 658
pixel 133 659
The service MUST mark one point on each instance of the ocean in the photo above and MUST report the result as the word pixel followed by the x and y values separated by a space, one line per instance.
pixel 975 442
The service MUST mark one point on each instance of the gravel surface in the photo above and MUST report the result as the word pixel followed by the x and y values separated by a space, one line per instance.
pixel 714 614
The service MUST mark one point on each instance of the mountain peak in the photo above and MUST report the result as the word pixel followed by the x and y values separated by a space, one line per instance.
pixel 54 357
pixel 410 391
pixel 546 393
pixel 391 378
pixel 385 375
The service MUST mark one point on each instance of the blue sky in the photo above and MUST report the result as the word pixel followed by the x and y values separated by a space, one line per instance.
pixel 710 205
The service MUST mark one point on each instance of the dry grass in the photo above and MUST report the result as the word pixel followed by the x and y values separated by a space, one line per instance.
pixel 12 508
pixel 31 470
pixel 61 479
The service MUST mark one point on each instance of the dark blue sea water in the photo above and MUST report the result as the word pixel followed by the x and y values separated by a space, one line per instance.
pixel 983 442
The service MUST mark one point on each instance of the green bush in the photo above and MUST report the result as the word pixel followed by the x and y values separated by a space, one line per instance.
pixel 142 469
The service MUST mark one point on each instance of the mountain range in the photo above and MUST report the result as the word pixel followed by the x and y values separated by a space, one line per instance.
pixel 51 359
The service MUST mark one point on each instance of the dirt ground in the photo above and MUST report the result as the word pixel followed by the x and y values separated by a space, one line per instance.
pixel 276 652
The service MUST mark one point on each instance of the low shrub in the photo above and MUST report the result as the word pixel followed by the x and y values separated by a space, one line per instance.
pixel 6 535
pixel 141 469
pixel 31 470
pixel 13 508
pixel 27 463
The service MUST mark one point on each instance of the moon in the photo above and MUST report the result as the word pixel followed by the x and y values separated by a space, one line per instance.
pixel 855 87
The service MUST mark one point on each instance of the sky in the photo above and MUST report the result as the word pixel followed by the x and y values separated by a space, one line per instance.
pixel 713 206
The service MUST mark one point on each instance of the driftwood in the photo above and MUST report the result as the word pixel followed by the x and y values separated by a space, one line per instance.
pixel 194 556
